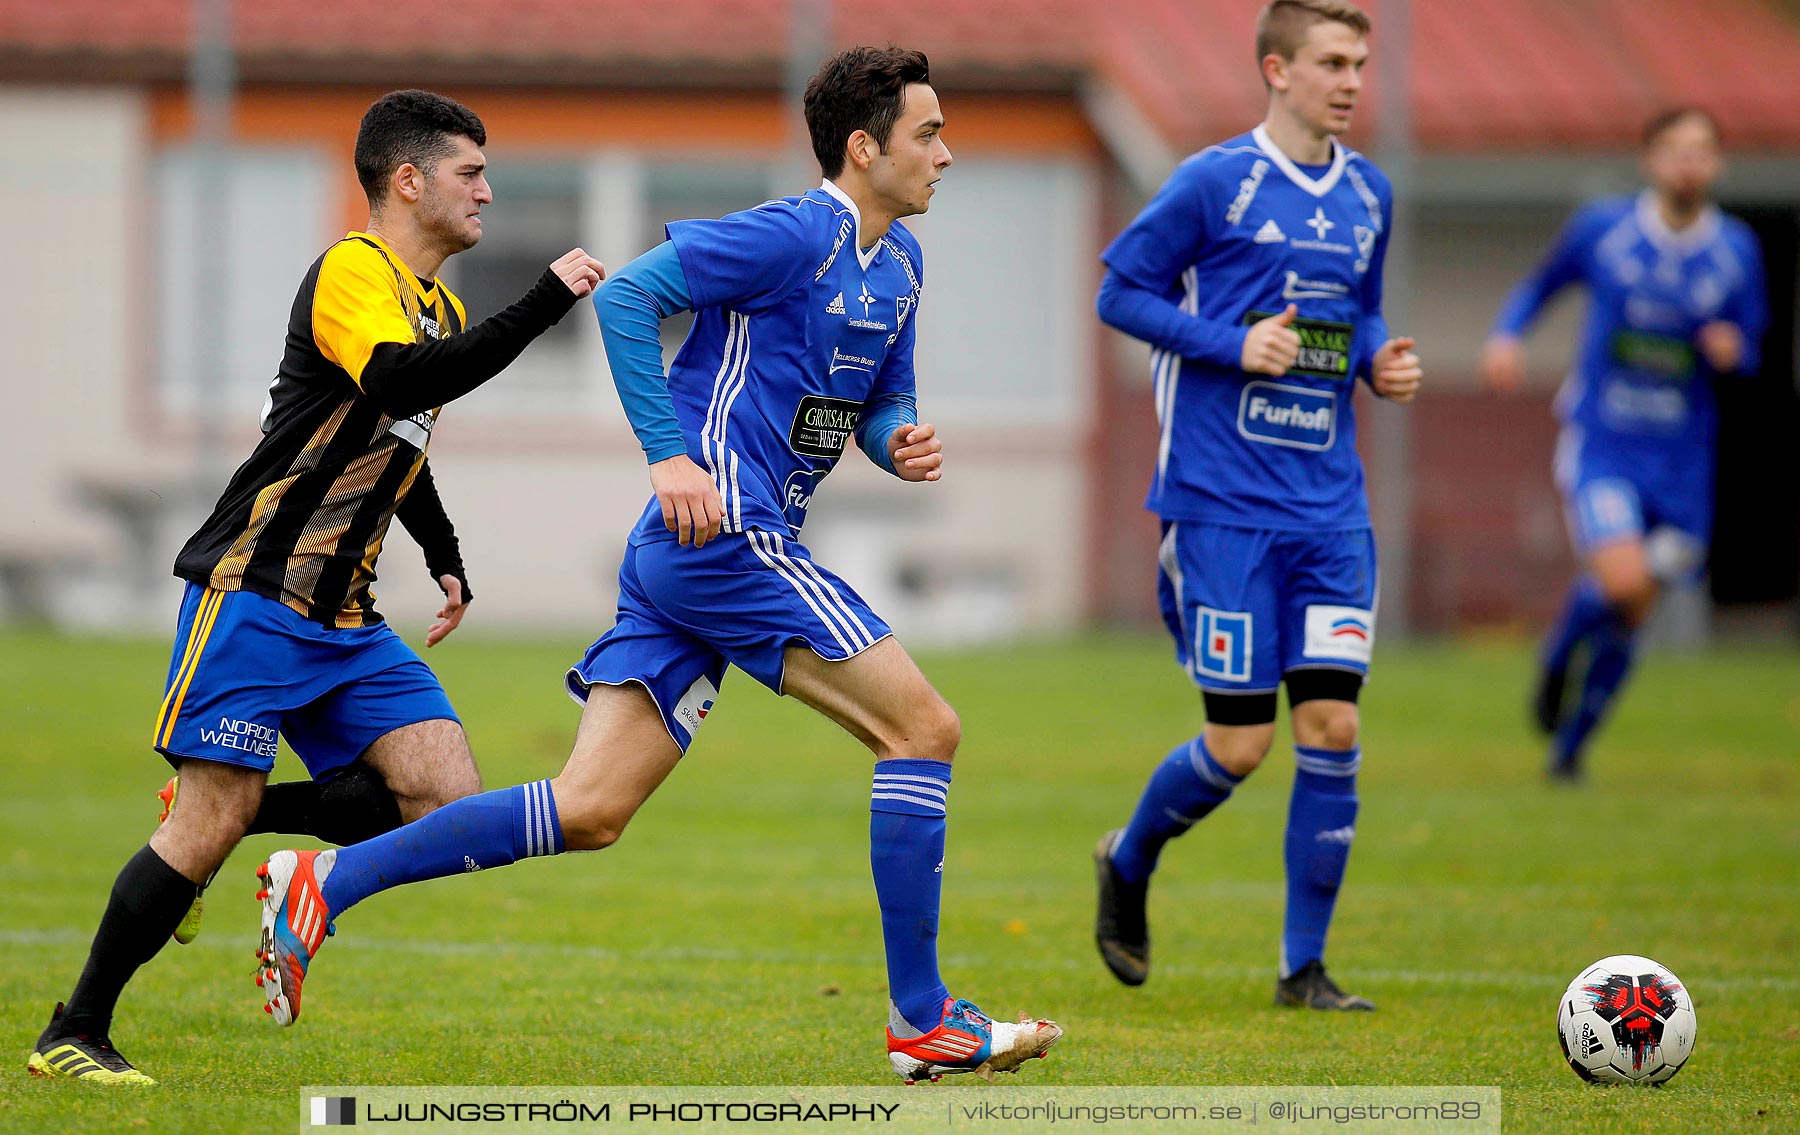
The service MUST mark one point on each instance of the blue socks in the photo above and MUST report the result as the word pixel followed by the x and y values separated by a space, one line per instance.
pixel 1321 826
pixel 1183 789
pixel 1614 648
pixel 1583 613
pixel 906 851
pixel 491 829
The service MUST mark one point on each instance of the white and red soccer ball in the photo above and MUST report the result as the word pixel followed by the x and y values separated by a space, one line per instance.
pixel 1626 1020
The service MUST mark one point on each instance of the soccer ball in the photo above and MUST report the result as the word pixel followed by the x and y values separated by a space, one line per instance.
pixel 1626 1020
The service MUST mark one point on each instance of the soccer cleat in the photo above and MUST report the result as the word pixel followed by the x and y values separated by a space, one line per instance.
pixel 1308 986
pixel 968 1040
pixel 1120 927
pixel 189 927
pixel 1563 771
pixel 1548 698
pixel 295 923
pixel 93 1060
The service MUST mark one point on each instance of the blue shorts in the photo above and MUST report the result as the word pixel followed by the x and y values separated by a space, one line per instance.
pixel 246 668
pixel 743 599
pixel 1664 499
pixel 1248 605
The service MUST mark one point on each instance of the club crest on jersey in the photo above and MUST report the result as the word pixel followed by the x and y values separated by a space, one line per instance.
pixel 1365 246
pixel 1298 417
pixel 1222 647
pixel 694 705
pixel 1346 633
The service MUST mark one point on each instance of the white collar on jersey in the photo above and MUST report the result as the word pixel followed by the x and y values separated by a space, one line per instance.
pixel 865 258
pixel 1286 164
pixel 1650 219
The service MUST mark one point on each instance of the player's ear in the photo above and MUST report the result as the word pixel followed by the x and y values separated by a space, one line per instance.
pixel 408 182
pixel 1274 71
pixel 860 149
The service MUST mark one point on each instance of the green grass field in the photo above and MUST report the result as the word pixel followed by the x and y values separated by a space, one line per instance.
pixel 732 937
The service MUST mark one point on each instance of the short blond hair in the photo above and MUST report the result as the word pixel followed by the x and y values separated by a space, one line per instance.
pixel 1282 25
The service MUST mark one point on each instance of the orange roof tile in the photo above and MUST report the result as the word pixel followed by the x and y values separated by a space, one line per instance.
pixel 1487 74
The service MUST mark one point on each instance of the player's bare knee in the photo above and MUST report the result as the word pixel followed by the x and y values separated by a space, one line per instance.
pixel 1241 758
pixel 585 830
pixel 1632 594
pixel 453 780
pixel 1339 730
pixel 932 736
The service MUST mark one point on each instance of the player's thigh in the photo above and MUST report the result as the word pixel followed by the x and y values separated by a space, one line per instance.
pixel 213 810
pixel 751 596
pixel 1607 525
pixel 1218 588
pixel 239 663
pixel 1621 567
pixel 623 751
pixel 426 765
pixel 386 706
pixel 880 697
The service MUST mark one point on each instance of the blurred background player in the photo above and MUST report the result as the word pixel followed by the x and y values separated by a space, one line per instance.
pixel 1677 297
pixel 277 632
pixel 803 339
pixel 1255 275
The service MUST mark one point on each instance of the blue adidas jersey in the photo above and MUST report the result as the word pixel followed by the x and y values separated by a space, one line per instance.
pixel 1639 381
pixel 1239 232
pixel 795 329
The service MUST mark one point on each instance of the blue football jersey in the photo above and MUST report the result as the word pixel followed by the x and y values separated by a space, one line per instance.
pixel 1639 382
pixel 795 328
pixel 1238 233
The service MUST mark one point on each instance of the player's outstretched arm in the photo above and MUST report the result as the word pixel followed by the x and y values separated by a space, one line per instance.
pixel 407 378
pixel 1397 371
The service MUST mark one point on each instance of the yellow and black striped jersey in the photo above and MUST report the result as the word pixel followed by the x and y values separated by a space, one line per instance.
pixel 302 520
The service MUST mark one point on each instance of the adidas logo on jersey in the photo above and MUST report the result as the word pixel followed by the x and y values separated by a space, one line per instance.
pixel 836 306
pixel 1270 233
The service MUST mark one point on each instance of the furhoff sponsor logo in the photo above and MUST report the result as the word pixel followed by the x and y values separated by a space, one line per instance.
pixel 245 736
pixel 334 1111
pixel 1295 416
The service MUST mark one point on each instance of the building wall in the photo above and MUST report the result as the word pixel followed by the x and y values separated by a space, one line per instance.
pixel 539 469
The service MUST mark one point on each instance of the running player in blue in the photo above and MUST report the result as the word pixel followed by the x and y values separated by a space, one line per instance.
pixel 1676 299
pixel 803 339
pixel 1255 275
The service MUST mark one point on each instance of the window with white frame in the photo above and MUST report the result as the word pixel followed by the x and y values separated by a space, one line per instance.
pixel 258 217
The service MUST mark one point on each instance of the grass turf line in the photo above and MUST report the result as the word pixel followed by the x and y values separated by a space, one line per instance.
pixel 741 895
